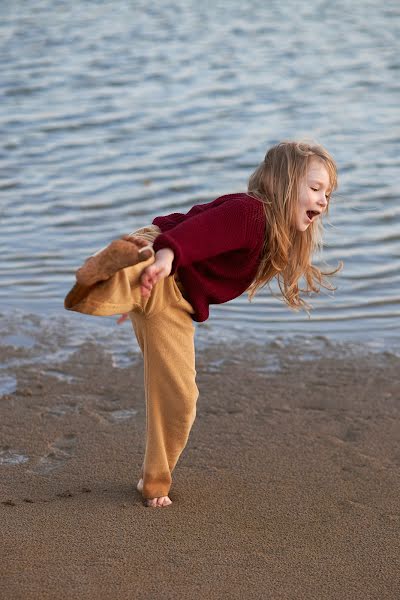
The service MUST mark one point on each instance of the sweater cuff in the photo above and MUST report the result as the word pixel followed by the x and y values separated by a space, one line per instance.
pixel 164 241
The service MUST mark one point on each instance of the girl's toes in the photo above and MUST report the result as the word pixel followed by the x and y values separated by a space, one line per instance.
pixel 158 502
pixel 132 238
pixel 165 501
pixel 151 502
pixel 145 248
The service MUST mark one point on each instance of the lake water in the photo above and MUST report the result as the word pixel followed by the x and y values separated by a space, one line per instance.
pixel 114 112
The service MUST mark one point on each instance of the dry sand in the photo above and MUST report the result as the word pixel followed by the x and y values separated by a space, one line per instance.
pixel 288 489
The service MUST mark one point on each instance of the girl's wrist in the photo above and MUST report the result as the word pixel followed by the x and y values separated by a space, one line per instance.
pixel 165 256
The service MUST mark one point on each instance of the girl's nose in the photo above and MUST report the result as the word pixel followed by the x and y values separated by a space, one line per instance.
pixel 323 202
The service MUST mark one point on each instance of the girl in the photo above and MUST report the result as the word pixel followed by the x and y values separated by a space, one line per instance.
pixel 167 274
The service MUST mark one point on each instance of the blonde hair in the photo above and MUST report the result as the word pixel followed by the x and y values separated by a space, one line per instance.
pixel 287 252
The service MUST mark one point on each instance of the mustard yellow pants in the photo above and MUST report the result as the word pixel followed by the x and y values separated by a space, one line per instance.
pixel 165 333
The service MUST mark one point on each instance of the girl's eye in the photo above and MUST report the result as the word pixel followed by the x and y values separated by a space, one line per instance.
pixel 327 196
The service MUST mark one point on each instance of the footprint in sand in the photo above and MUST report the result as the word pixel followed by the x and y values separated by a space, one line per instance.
pixel 60 410
pixel 60 451
pixel 108 413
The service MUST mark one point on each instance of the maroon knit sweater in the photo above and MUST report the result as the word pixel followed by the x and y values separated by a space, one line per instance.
pixel 217 247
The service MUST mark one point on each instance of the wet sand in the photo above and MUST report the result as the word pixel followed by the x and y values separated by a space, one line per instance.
pixel 288 489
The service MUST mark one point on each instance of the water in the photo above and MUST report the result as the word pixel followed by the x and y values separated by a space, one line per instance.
pixel 113 113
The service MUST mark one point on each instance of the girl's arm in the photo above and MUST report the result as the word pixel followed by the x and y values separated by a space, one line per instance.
pixel 233 225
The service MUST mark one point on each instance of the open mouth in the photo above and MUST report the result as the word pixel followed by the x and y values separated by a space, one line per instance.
pixel 311 214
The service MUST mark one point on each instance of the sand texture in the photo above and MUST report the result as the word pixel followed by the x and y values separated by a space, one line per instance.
pixel 288 489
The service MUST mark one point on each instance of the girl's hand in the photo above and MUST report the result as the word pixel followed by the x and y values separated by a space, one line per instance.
pixel 160 268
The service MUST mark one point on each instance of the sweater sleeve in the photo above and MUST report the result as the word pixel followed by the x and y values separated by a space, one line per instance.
pixel 221 229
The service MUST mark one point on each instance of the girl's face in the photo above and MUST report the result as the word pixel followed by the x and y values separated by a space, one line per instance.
pixel 314 193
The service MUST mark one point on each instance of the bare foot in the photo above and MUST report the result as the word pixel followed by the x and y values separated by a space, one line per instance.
pixel 155 502
pixel 117 255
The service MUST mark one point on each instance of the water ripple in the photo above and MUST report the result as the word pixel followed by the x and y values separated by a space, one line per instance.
pixel 114 113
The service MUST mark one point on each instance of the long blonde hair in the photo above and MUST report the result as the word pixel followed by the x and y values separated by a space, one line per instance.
pixel 287 252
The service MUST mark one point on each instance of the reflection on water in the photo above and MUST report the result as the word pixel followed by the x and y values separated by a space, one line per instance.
pixel 113 113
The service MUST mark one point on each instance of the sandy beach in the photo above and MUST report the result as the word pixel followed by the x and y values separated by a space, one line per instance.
pixel 288 489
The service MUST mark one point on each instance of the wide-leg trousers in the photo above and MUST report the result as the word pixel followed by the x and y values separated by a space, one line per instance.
pixel 165 332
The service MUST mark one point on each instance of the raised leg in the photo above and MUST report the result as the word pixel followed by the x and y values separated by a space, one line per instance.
pixel 119 254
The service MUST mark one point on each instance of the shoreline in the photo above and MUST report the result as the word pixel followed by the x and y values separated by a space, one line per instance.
pixel 289 482
pixel 228 323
